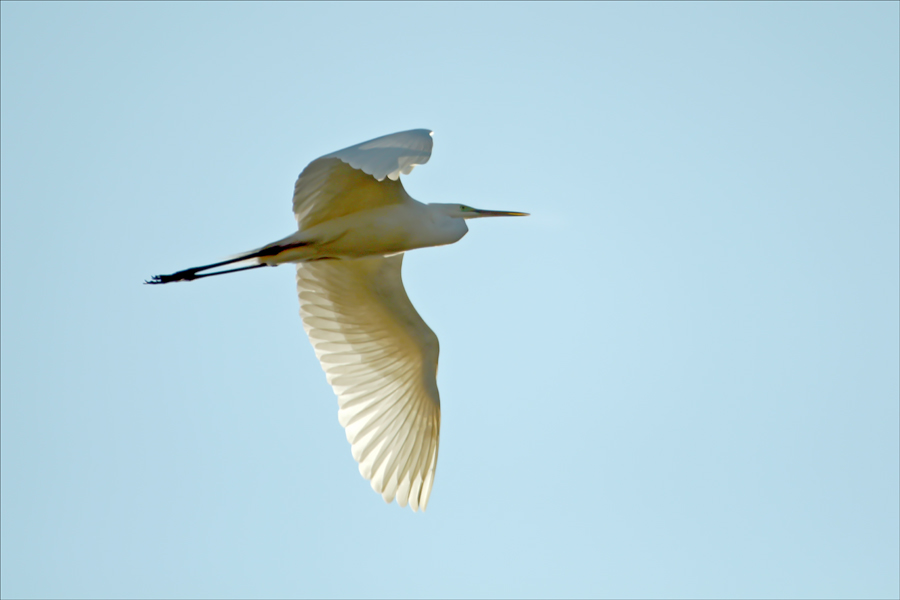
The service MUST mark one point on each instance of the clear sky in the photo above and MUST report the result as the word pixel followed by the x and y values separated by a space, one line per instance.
pixel 678 378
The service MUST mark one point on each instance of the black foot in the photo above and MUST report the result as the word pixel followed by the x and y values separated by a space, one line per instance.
pixel 192 274
pixel 188 275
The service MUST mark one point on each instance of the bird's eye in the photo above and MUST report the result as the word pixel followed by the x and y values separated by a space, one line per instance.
pixel 464 208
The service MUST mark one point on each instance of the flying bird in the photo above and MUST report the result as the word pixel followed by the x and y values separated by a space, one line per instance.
pixel 354 222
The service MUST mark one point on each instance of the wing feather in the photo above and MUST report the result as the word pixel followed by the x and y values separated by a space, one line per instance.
pixel 381 360
pixel 360 177
pixel 398 461
pixel 389 155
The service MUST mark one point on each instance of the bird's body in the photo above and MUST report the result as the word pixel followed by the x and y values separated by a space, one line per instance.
pixel 354 222
pixel 379 231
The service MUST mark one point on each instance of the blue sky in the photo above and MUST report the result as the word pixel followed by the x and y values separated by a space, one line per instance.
pixel 678 378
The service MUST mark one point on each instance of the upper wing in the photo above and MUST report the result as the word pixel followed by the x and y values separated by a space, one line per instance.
pixel 389 155
pixel 381 359
pixel 353 179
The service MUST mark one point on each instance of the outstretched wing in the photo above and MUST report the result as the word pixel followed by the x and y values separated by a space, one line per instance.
pixel 381 359
pixel 360 177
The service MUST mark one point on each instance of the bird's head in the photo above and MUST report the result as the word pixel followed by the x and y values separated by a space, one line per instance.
pixel 461 211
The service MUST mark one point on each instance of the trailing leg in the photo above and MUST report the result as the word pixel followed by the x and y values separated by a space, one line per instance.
pixel 196 272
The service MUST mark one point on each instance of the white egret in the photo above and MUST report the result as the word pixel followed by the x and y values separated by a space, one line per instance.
pixel 355 220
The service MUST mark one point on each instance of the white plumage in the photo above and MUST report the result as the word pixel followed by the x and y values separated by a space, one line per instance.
pixel 381 359
pixel 354 222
